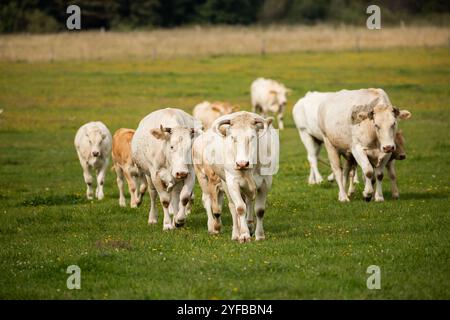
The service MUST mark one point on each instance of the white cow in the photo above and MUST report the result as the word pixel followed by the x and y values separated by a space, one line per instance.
pixel 305 114
pixel 241 149
pixel 269 96
pixel 207 112
pixel 93 144
pixel 353 123
pixel 161 147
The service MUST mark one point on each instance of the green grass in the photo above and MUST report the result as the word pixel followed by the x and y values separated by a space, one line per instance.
pixel 315 247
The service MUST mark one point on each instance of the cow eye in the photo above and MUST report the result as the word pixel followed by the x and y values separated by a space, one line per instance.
pixel 171 147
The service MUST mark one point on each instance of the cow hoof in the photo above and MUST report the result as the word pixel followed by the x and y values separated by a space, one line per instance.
pixel 367 198
pixel 235 237
pixel 168 226
pixel 180 223
pixel 344 198
pixel 213 232
pixel 152 221
pixel 260 237
pixel 244 238
pixel 381 199
pixel 133 205
pixel 122 204
pixel 395 197
pixel 217 227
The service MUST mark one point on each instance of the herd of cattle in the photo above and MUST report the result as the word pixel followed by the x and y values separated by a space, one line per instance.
pixel 236 152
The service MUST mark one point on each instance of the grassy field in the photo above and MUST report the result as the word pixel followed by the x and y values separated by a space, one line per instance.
pixel 315 247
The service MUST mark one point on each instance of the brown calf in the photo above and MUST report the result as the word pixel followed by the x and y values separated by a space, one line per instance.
pixel 124 166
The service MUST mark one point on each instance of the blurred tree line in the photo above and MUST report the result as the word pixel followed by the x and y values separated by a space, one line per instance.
pixel 50 15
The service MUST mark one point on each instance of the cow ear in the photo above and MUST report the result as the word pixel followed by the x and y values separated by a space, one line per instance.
pixel 223 130
pixel 235 108
pixel 195 132
pixel 274 92
pixel 216 108
pixel 363 116
pixel 158 133
pixel 269 121
pixel 404 114
pixel 288 91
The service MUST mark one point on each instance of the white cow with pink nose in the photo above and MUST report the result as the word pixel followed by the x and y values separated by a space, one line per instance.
pixel 162 149
pixel 357 123
pixel 93 143
pixel 268 95
pixel 242 149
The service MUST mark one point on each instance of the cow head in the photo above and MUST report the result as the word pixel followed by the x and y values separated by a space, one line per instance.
pixel 241 131
pixel 95 137
pixel 385 118
pixel 177 148
pixel 279 96
pixel 224 108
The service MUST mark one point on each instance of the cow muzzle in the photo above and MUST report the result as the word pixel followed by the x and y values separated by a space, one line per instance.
pixel 95 154
pixel 401 156
pixel 242 165
pixel 388 148
pixel 181 174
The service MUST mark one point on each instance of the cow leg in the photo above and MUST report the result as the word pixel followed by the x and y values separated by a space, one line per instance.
pixel 235 231
pixel 153 214
pixel 184 198
pixel 88 179
pixel 207 205
pixel 379 174
pixel 165 199
pixel 260 207
pixel 206 200
pixel 280 120
pixel 101 180
pixel 119 179
pixel 393 177
pixel 355 177
pixel 217 210
pixel 345 172
pixel 249 215
pixel 241 210
pixel 142 188
pixel 254 107
pixel 190 203
pixel 333 156
pixel 234 216
pixel 167 222
pixel 313 149
pixel 132 184
pixel 362 160
pixel 174 204
pixel 351 180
